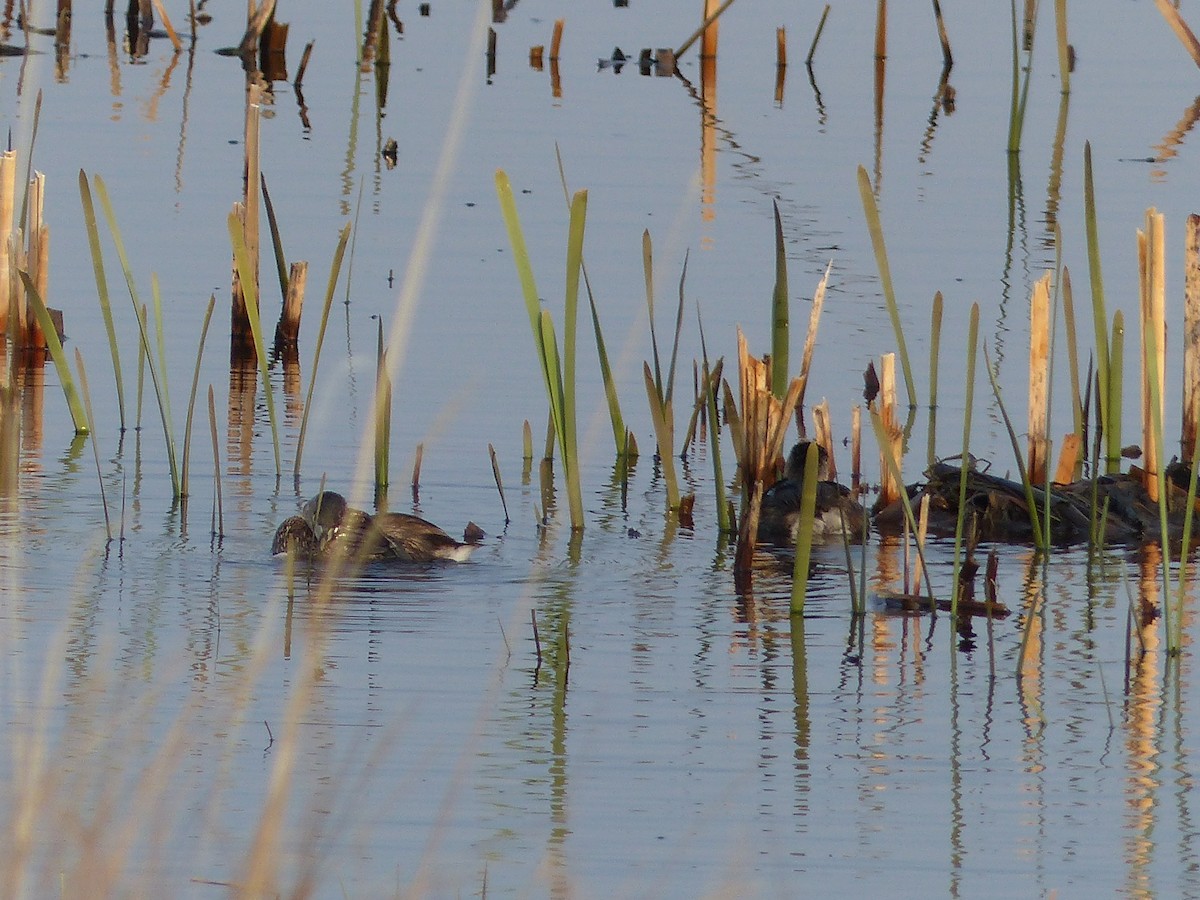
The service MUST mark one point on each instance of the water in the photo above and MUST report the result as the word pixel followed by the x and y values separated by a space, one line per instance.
pixel 702 743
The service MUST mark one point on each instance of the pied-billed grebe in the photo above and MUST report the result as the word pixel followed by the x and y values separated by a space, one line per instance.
pixel 836 511
pixel 339 528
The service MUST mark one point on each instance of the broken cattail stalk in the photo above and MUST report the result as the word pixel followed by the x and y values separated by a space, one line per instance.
pixel 1039 363
pixel 255 23
pixel 1153 345
pixel 287 331
pixel 556 39
pixel 823 431
pixel 1191 337
pixel 416 472
pixel 536 53
pixel 890 487
pixel 1068 458
pixel 300 69
pixel 708 40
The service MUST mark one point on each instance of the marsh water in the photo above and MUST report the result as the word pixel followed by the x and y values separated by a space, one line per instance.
pixel 163 692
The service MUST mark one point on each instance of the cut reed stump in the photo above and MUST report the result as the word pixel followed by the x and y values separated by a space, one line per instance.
pixel 1191 337
pixel 287 331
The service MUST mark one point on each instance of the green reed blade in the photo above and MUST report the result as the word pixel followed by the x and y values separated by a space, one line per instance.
pixel 54 345
pixel 383 413
pixel 212 428
pixel 804 531
pixel 335 270
pixel 187 428
pixel 93 233
pixel 1030 501
pixel 935 343
pixel 281 266
pixel 711 386
pixel 875 227
pixel 968 405
pixel 516 239
pixel 610 385
pixel 1116 391
pixel 139 311
pixel 1068 299
pixel 648 274
pixel 141 378
pixel 160 340
pixel 779 314
pixel 241 256
pixel 678 329
pixel 1105 420
pixel 570 322
pixel 1175 641
pixel 660 414
pixel 91 421
pixel 37 117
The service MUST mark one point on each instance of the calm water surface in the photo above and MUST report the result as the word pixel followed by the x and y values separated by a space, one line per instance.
pixel 700 743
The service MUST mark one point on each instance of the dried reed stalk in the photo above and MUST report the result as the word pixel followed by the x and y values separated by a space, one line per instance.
pixel 708 40
pixel 556 39
pixel 1191 337
pixel 810 340
pixel 1068 458
pixel 890 486
pixel 1153 345
pixel 855 449
pixel 8 182
pixel 1039 364
pixel 823 431
pixel 1180 27
pixel 764 419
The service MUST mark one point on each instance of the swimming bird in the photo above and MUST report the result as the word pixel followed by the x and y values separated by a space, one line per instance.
pixel 836 512
pixel 295 536
pixel 339 528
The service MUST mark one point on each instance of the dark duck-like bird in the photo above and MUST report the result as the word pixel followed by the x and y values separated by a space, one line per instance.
pixel 836 511
pixel 328 525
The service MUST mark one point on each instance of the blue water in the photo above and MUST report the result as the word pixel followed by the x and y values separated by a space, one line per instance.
pixel 702 745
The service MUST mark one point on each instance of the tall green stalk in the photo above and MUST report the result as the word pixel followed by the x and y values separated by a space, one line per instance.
pixel 620 432
pixel 139 311
pixel 93 233
pixel 187 428
pixel 1108 422
pixel 779 315
pixel 560 384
